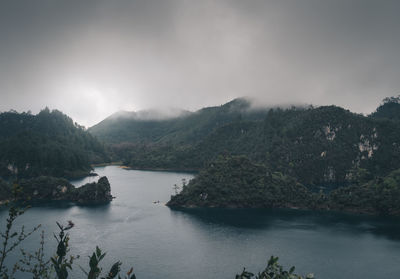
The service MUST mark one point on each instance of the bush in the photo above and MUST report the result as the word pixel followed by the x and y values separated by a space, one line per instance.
pixel 273 271
pixel 57 266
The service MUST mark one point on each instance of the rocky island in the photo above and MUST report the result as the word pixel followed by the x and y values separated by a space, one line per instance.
pixel 45 188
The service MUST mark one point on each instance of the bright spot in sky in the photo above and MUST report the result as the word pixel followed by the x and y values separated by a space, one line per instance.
pixel 88 104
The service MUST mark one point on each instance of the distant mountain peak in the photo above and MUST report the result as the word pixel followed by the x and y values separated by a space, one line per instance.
pixel 151 114
pixel 241 103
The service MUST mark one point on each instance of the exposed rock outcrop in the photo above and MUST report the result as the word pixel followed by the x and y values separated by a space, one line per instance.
pixel 99 192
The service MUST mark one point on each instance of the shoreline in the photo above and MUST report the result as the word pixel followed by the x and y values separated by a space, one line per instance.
pixel 191 171
pixel 349 211
pixel 117 163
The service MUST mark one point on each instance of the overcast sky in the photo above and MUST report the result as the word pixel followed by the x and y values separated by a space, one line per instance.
pixel 92 58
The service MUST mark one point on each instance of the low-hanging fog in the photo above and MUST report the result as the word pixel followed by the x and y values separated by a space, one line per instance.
pixel 90 59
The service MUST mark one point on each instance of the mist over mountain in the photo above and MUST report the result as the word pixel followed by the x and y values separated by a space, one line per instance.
pixel 133 55
pixel 150 114
pixel 218 132
pixel 322 145
pixel 173 127
pixel 325 146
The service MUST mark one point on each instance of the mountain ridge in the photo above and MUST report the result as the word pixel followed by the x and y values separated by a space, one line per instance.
pixel 317 145
pixel 186 129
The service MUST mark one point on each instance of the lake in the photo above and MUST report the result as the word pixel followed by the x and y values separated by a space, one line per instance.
pixel 163 243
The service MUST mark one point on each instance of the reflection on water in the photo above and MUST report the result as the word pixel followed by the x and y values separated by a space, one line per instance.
pixel 262 219
pixel 164 243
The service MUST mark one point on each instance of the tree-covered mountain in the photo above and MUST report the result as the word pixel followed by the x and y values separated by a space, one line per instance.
pixel 326 150
pixel 48 143
pixel 182 128
pixel 317 146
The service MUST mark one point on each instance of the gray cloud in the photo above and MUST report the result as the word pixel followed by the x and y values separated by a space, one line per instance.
pixel 92 58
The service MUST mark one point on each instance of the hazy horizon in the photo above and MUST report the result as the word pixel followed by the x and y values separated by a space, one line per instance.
pixel 160 113
pixel 90 59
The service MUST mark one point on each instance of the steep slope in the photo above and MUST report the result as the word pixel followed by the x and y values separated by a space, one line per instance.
pixel 323 145
pixel 319 146
pixel 48 143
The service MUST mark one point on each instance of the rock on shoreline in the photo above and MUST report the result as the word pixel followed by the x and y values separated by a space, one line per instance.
pixel 95 192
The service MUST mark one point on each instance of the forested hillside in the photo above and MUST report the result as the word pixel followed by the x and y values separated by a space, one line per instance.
pixel 184 129
pixel 237 182
pixel 322 158
pixel 234 181
pixel 48 143
pixel 325 146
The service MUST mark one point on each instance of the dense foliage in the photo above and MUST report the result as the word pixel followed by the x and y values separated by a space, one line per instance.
pixel 237 182
pixel 380 195
pixel 390 109
pixel 48 143
pixel 318 146
pixel 45 188
pixel 340 157
pixel 273 271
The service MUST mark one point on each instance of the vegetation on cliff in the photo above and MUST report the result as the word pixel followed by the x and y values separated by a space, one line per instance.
pixel 339 158
pixel 237 182
pixel 380 195
pixel 389 109
pixel 321 146
pixel 95 192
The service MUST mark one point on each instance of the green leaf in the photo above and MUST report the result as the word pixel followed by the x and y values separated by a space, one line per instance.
pixel 98 251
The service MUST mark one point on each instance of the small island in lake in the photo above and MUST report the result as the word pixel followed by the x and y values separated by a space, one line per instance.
pixel 45 188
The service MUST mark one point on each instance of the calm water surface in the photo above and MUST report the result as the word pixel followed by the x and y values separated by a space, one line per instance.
pixel 163 243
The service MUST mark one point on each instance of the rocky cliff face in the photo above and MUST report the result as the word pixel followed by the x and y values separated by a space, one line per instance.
pixel 45 188
pixel 99 192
